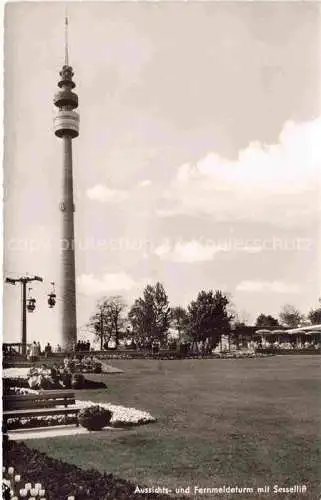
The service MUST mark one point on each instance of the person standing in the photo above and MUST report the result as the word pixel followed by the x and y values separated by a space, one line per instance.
pixel 33 352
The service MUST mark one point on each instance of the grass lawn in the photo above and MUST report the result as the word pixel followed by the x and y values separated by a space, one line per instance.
pixel 245 422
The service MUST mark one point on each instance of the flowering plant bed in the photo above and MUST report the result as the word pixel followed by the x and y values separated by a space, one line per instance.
pixel 15 373
pixel 54 378
pixel 87 364
pixel 241 354
pixel 174 355
pixel 8 391
pixel 61 479
pixel 77 381
pixel 120 417
pixel 34 422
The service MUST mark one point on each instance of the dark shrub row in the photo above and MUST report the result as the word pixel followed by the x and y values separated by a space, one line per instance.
pixel 61 479
pixel 298 352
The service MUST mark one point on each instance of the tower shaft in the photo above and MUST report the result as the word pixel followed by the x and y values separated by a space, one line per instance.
pixel 68 275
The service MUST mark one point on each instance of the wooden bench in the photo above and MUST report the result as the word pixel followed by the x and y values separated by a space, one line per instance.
pixel 42 404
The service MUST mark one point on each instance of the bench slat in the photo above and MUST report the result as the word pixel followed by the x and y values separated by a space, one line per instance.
pixel 27 405
pixel 37 398
pixel 59 392
pixel 39 411
pixel 40 395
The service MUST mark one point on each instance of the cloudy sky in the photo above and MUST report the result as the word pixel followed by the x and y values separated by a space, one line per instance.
pixel 198 161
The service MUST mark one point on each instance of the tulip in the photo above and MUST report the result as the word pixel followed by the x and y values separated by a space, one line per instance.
pixel 41 493
pixel 3 470
pixel 10 470
pixel 28 486
pixel 23 493
pixel 34 492
pixel 71 498
pixel 17 478
pixel 38 486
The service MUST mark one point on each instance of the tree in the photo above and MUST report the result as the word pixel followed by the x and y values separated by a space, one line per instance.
pixel 109 319
pixel 150 314
pixel 315 316
pixel 266 321
pixel 179 318
pixel 209 317
pixel 290 316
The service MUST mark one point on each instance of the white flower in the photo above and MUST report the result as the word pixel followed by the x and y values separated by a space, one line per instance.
pixel 121 414
pixel 15 372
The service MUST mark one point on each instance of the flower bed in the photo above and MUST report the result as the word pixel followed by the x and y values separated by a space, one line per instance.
pixel 86 364
pixel 47 378
pixel 61 479
pixel 19 390
pixel 174 355
pixel 121 416
pixel 14 384
pixel 54 378
pixel 14 486
pixel 15 373
pixel 35 422
pixel 241 354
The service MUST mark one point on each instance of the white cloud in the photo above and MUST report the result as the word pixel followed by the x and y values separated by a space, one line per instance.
pixel 91 285
pixel 163 249
pixel 145 183
pixel 266 181
pixel 266 286
pixel 201 250
pixel 104 194
pixel 190 251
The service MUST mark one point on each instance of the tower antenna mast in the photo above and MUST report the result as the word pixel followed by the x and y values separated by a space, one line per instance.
pixel 66 40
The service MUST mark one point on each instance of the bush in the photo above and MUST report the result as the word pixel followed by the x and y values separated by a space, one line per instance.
pixel 97 368
pixel 94 418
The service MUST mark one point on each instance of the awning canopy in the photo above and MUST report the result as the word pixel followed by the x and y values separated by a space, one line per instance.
pixel 305 329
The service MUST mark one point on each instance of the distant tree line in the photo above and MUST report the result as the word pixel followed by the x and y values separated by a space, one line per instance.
pixel 289 317
pixel 202 323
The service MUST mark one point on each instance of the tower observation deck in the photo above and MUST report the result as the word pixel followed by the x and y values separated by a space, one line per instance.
pixel 66 127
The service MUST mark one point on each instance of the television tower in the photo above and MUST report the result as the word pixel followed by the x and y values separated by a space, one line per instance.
pixel 66 127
